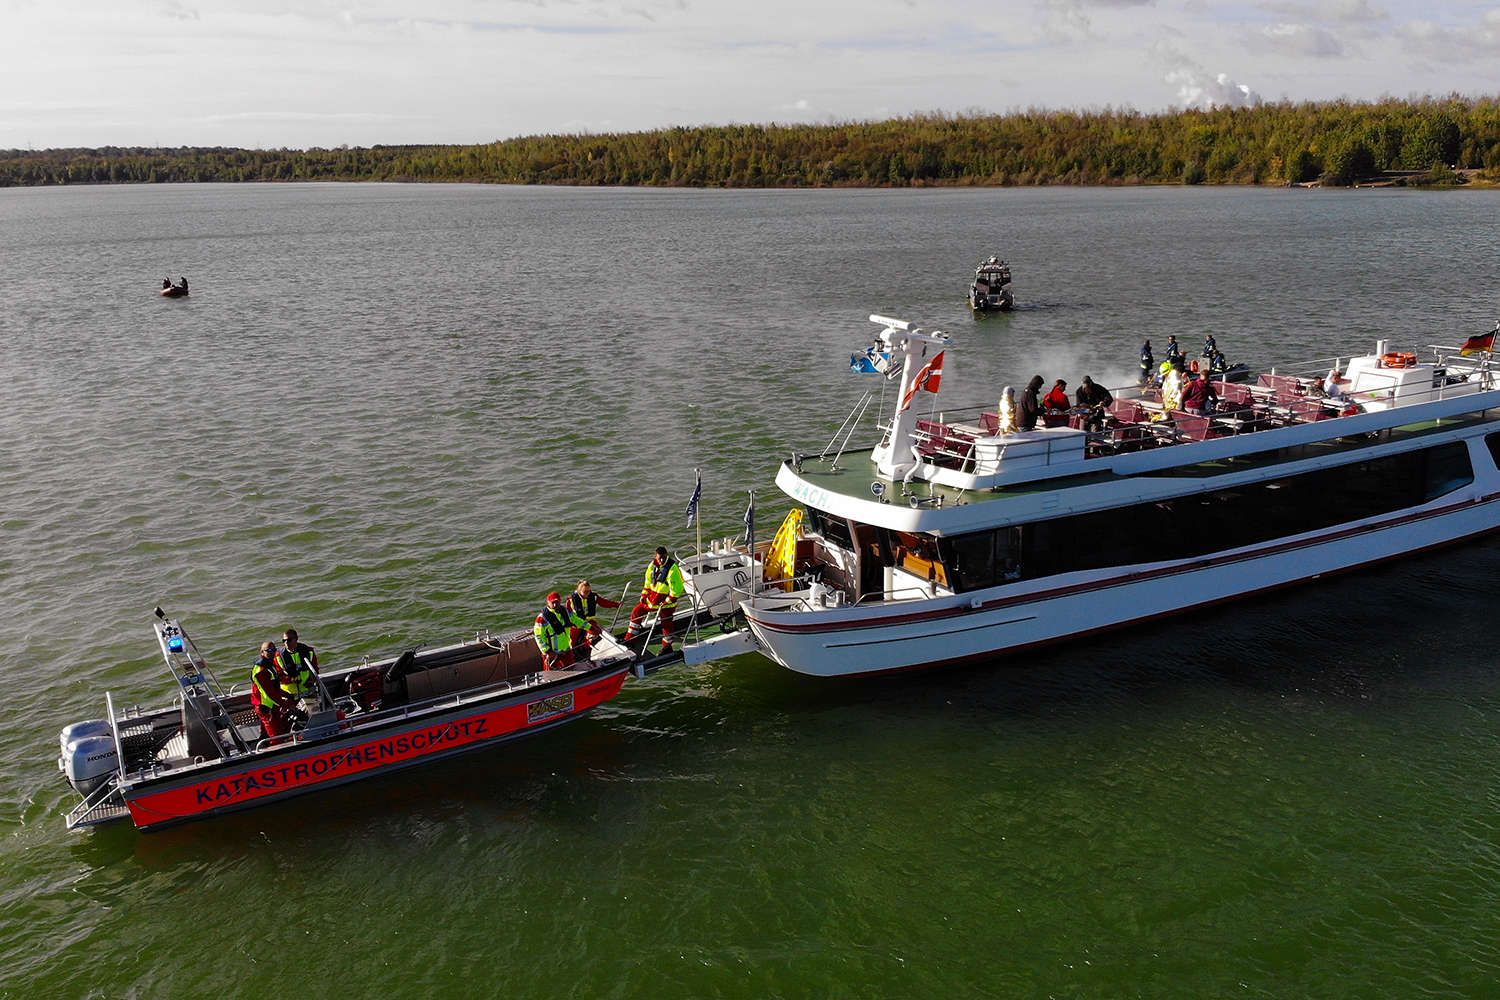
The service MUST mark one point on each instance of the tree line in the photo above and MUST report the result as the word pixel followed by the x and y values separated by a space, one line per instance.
pixel 1337 143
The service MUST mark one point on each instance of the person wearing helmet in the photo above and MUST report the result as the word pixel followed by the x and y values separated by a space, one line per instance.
pixel 1171 387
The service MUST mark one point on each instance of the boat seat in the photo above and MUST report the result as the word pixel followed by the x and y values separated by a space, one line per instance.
pixel 1191 427
pixel 1305 411
pixel 1281 382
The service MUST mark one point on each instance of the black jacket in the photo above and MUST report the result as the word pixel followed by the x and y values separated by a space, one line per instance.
pixel 1029 406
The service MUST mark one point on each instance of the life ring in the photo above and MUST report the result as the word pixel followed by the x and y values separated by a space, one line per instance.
pixel 1398 359
pixel 1193 366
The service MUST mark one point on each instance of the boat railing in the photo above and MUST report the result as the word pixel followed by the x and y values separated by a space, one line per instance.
pixel 912 594
pixel 1289 396
pixel 101 805
pixel 453 700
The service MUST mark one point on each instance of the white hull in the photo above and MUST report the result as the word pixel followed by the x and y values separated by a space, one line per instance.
pixel 950 629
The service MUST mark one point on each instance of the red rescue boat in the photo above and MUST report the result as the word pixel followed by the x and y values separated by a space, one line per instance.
pixel 206 754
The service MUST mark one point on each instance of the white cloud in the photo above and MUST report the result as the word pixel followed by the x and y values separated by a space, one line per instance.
pixel 326 72
pixel 1299 39
pixel 1331 11
pixel 1432 40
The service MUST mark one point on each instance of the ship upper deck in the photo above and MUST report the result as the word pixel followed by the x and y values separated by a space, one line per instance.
pixel 1143 447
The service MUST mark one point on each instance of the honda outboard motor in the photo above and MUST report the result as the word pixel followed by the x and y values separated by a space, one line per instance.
pixel 89 755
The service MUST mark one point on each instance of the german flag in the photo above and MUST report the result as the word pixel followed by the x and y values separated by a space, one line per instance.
pixel 1473 345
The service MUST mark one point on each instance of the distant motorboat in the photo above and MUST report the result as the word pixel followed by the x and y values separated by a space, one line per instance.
pixel 991 288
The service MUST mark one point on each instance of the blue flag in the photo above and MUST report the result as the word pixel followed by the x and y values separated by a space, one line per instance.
pixel 750 521
pixel 692 507
pixel 869 362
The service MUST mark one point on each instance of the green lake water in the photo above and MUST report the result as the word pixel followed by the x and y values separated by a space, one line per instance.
pixel 390 414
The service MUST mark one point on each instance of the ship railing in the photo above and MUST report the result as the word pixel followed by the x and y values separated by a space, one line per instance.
pixel 912 594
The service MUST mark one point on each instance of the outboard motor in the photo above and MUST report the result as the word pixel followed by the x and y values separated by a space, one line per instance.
pixel 89 755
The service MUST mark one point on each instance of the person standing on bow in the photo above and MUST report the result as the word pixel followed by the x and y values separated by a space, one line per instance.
pixel 273 706
pixel 663 587
pixel 298 666
pixel 1148 363
pixel 554 630
pixel 584 604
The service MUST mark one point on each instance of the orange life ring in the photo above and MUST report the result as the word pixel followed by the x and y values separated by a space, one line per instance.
pixel 1194 366
pixel 1398 359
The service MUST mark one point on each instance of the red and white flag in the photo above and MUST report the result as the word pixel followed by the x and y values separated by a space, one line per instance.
pixel 928 378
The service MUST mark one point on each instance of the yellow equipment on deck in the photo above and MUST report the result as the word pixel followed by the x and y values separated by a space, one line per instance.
pixel 781 561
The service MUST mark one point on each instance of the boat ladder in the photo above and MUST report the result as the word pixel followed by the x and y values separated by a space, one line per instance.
pixel 104 804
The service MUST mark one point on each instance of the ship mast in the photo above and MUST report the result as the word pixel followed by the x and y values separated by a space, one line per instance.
pixel 894 456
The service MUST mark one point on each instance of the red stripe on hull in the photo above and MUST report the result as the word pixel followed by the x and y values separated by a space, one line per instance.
pixel 280 775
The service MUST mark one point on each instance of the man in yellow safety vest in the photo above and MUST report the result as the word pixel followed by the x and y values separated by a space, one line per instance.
pixel 298 666
pixel 663 587
pixel 553 632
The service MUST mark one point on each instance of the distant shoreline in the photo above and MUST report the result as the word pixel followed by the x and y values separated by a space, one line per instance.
pixel 1428 142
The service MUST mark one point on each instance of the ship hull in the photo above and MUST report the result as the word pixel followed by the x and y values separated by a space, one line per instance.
pixel 979 625
pixel 297 768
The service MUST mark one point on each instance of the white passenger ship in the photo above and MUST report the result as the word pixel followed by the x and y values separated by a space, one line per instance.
pixel 956 540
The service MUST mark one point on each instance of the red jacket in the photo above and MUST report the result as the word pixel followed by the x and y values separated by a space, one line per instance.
pixel 1057 399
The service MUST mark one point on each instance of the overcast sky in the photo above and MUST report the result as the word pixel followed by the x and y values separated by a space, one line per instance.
pixel 247 73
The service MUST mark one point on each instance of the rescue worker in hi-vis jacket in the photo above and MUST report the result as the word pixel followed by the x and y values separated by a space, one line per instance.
pixel 276 709
pixel 554 633
pixel 298 666
pixel 663 587
pixel 584 603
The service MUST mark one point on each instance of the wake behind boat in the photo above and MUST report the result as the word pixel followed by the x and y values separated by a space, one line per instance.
pixel 960 537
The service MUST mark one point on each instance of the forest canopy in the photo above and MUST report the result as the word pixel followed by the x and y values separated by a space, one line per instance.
pixel 1334 143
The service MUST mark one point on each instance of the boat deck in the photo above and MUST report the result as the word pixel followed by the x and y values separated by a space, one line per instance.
pixel 967 460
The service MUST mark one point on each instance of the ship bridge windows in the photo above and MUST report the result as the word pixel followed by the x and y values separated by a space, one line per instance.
pixel 1214 521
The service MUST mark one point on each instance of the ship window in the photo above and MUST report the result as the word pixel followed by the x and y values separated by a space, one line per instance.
pixel 972 559
pixel 1448 469
pixel 835 530
pixel 1203 523
pixel 1493 442
pixel 919 554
